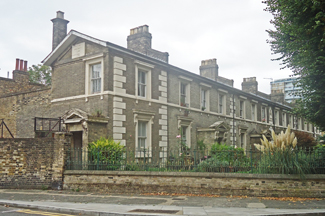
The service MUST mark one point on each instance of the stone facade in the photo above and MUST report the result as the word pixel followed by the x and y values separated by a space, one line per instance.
pixel 196 183
pixel 33 163
pixel 135 87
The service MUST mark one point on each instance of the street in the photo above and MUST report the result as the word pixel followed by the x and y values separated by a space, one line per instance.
pixel 10 211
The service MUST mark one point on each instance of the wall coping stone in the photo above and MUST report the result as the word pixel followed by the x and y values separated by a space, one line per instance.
pixel 194 174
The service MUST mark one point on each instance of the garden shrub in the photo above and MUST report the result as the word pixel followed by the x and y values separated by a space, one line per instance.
pixel 223 159
pixel 281 155
pixel 305 140
pixel 107 153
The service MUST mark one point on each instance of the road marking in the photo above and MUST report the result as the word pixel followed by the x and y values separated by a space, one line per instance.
pixel 11 211
pixel 28 211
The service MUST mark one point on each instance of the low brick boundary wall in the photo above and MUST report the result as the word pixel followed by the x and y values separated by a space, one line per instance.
pixel 33 162
pixel 196 183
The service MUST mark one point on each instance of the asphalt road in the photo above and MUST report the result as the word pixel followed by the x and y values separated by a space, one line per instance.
pixel 10 211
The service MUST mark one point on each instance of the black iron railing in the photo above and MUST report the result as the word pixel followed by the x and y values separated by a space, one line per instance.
pixel 298 161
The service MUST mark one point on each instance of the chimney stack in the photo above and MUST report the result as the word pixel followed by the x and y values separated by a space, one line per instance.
pixel 209 69
pixel 250 85
pixel 20 73
pixel 59 29
pixel 139 39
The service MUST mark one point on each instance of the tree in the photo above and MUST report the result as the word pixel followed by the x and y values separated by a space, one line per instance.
pixel 299 38
pixel 41 74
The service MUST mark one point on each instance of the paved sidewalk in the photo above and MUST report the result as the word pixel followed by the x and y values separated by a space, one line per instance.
pixel 117 204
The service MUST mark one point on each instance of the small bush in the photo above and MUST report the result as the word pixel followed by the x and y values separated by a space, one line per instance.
pixel 305 140
pixel 106 152
pixel 230 154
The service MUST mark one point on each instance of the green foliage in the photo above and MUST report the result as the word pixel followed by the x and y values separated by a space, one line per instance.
pixel 212 165
pixel 201 145
pixel 299 38
pixel 106 152
pixel 223 158
pixel 227 153
pixel 41 74
pixel 321 139
pixel 285 161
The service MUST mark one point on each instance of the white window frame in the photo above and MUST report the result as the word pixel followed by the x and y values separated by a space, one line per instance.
pixel 253 112
pixel 187 82
pixel 145 124
pixel 284 119
pixel 276 117
pixel 206 89
pixel 310 127
pixel 299 126
pixel 291 123
pixel 188 124
pixel 146 68
pixel 143 116
pixel 263 108
pixel 242 140
pixel 242 109
pixel 88 73
pixel 222 110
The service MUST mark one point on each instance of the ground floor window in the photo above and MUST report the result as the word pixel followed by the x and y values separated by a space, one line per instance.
pixel 142 134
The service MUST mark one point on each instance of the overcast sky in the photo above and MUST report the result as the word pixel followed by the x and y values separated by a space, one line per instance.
pixel 232 31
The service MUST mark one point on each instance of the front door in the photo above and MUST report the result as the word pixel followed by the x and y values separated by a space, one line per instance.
pixel 76 151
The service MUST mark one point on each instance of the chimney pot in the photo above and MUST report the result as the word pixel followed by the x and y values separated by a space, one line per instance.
pixel 60 14
pixel 25 66
pixel 21 65
pixel 17 64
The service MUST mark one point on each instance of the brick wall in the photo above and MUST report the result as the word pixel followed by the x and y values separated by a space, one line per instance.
pixel 19 84
pixel 198 183
pixel 33 163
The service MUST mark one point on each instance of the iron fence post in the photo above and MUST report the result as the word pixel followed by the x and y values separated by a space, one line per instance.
pixel 251 158
pixel 97 158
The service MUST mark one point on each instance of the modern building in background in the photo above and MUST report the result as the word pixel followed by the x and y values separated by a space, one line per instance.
pixel 287 87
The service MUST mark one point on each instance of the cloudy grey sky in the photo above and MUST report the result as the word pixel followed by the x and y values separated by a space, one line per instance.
pixel 231 31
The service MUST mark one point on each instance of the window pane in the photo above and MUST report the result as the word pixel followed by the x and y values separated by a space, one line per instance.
pixel 95 78
pixel 241 108
pixel 183 94
pixel 203 99
pixel 220 103
pixel 141 83
pixel 184 134
pixel 96 69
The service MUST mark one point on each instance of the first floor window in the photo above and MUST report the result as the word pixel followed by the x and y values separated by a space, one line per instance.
pixel 276 117
pixel 95 78
pixel 142 134
pixel 183 94
pixel 221 103
pixel 253 112
pixel 284 120
pixel 142 83
pixel 263 114
pixel 241 109
pixel 203 99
